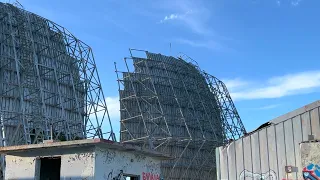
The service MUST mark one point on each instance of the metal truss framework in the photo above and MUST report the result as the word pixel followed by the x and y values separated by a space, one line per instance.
pixel 170 105
pixel 49 84
pixel 232 124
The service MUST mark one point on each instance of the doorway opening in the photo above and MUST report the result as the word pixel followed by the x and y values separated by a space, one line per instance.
pixel 50 168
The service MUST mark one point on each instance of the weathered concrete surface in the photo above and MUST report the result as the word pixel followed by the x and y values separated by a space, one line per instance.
pixel 73 166
pixel 85 159
pixel 20 168
pixel 310 159
pixel 79 165
pixel 310 153
pixel 110 163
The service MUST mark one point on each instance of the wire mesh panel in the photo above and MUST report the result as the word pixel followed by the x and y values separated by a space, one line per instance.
pixel 49 84
pixel 167 104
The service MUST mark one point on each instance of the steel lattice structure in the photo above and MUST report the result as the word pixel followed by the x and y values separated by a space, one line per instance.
pixel 49 84
pixel 231 121
pixel 170 105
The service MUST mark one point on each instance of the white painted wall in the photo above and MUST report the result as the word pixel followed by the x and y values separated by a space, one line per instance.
pixel 20 168
pixel 73 167
pixel 78 166
pixel 97 164
pixel 109 163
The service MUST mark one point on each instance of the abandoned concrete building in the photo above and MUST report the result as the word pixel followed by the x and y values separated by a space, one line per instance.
pixel 89 159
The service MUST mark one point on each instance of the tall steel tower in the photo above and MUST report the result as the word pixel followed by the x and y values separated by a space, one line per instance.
pixel 171 105
pixel 49 84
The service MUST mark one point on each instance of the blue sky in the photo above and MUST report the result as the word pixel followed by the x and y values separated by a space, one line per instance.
pixel 266 51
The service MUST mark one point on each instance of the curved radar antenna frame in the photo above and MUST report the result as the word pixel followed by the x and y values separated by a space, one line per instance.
pixel 233 126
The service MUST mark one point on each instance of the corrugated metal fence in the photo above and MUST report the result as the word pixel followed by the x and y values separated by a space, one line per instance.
pixel 265 153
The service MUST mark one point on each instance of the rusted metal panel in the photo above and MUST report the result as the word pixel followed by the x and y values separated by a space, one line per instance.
pixel 268 152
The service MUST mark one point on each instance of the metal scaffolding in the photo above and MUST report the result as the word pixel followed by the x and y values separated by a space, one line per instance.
pixel 170 105
pixel 49 84
pixel 232 124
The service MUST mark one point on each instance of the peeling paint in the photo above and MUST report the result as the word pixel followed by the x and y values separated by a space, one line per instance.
pixel 99 163
pixel 17 166
pixel 124 162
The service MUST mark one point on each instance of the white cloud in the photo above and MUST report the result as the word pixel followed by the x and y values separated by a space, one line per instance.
pixel 272 106
pixel 170 17
pixel 235 83
pixel 296 2
pixel 113 105
pixel 277 87
pixel 194 15
pixel 203 44
pixel 175 16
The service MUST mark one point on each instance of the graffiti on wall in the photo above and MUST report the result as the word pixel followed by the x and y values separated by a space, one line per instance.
pixel 311 172
pixel 116 177
pixel 150 176
pixel 248 175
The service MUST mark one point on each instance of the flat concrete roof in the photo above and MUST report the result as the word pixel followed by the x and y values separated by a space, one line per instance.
pixel 13 150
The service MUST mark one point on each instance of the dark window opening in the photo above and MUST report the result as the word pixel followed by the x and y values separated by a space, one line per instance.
pixel 130 177
pixel 50 168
